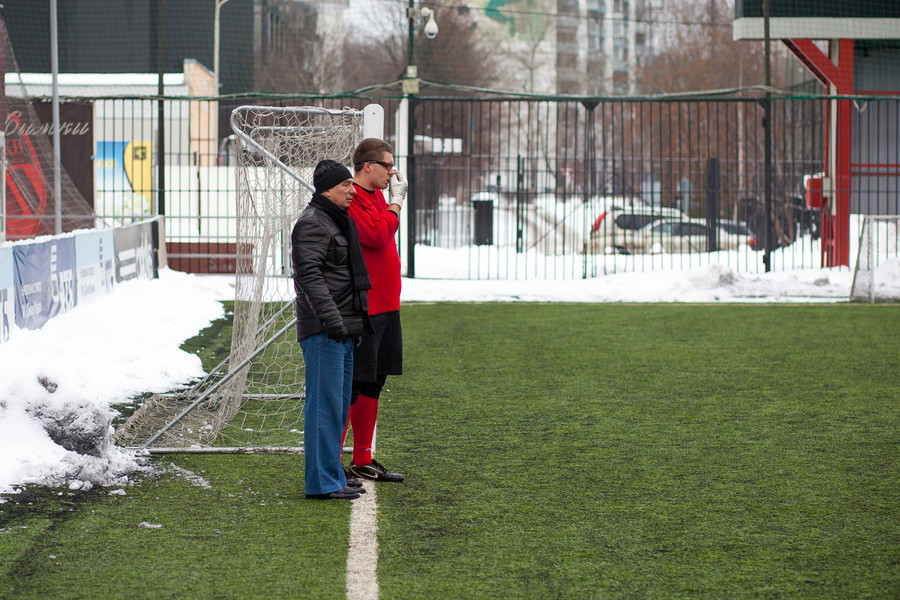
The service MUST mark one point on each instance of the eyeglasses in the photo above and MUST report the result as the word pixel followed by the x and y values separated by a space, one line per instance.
pixel 386 165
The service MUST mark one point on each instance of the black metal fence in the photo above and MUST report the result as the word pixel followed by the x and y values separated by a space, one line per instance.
pixel 527 186
pixel 530 188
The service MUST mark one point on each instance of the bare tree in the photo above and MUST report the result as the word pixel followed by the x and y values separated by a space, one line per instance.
pixel 457 56
pixel 698 52
pixel 302 50
pixel 526 43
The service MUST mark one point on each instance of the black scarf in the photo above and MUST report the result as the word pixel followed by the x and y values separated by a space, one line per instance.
pixel 357 264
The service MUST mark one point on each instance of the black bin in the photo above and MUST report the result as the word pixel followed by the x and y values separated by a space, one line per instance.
pixel 484 222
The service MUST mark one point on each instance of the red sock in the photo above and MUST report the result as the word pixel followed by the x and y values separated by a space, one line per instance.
pixel 363 413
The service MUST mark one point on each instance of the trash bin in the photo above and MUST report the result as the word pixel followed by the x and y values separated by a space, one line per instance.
pixel 484 222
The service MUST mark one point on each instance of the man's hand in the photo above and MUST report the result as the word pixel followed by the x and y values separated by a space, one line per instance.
pixel 338 333
pixel 398 189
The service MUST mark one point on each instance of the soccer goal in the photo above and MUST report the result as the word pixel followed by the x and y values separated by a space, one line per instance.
pixel 252 402
pixel 876 276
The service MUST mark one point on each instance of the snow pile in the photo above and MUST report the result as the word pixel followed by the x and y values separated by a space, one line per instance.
pixel 56 441
pixel 710 283
pixel 59 383
pixel 887 279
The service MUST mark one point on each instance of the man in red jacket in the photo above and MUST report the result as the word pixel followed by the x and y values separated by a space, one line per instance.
pixel 380 354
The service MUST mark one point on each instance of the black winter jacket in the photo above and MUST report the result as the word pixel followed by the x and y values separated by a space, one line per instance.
pixel 323 279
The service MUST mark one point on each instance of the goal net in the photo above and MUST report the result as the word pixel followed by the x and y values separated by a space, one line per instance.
pixel 253 401
pixel 876 277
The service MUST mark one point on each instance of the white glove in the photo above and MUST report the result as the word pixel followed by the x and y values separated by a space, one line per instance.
pixel 398 189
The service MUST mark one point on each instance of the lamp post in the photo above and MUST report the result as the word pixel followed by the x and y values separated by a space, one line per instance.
pixel 160 109
pixel 410 89
pixel 219 4
pixel 767 140
pixel 54 66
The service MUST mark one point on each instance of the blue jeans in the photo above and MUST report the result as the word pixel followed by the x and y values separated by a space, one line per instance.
pixel 329 383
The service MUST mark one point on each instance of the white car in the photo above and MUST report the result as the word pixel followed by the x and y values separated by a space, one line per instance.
pixel 685 236
pixel 614 230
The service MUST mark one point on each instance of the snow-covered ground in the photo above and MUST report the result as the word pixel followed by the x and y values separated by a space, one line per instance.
pixel 66 376
pixel 63 377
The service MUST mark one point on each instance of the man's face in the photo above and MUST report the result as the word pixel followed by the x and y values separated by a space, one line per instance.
pixel 381 170
pixel 341 194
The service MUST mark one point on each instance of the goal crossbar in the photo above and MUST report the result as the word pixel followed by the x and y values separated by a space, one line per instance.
pixel 248 138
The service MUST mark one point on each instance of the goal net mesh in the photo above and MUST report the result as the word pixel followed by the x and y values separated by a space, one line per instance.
pixel 877 269
pixel 254 399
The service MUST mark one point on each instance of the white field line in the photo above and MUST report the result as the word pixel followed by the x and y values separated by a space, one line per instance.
pixel 362 556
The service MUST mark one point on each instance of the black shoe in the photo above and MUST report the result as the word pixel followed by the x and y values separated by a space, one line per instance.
pixel 374 471
pixel 346 493
pixel 353 482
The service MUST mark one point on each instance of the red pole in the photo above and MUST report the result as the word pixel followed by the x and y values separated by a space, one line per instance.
pixel 842 176
pixel 836 213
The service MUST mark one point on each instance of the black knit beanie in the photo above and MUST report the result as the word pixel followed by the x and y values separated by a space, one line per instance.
pixel 328 174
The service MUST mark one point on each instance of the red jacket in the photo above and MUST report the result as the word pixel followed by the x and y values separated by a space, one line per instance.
pixel 377 227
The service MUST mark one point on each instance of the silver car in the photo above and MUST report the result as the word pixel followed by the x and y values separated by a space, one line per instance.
pixel 615 229
pixel 685 236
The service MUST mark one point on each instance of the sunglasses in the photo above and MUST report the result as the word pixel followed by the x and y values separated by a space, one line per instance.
pixel 386 165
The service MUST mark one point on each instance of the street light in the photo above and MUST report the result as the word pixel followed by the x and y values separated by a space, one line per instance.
pixel 54 67
pixel 219 4
pixel 410 89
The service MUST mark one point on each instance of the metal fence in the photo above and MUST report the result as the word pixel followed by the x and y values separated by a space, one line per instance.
pixel 521 188
pixel 552 189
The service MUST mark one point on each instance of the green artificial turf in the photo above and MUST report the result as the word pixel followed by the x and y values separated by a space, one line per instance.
pixel 643 451
pixel 229 527
pixel 551 451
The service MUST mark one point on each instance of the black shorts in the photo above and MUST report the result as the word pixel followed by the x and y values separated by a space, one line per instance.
pixel 380 353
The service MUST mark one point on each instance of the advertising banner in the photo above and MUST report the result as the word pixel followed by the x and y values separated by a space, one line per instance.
pixel 124 178
pixel 95 263
pixel 29 175
pixel 76 139
pixel 26 185
pixel 40 280
pixel 135 254
pixel 45 281
pixel 7 294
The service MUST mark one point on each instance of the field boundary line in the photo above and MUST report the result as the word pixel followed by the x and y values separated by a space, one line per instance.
pixel 362 554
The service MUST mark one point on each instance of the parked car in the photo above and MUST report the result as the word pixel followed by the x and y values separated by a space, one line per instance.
pixel 737 228
pixel 614 230
pixel 685 236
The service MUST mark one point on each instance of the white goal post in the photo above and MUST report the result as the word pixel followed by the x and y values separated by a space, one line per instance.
pixel 252 402
pixel 876 275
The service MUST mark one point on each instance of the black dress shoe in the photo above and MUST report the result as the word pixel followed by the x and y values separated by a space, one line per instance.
pixel 354 482
pixel 346 493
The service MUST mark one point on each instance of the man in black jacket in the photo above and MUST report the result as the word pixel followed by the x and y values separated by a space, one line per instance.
pixel 331 284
